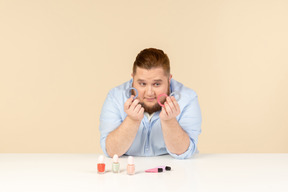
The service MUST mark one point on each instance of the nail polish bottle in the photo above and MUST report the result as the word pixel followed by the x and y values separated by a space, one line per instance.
pixel 130 166
pixel 115 164
pixel 101 164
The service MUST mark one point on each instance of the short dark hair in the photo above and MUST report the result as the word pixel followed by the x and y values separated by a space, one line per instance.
pixel 152 58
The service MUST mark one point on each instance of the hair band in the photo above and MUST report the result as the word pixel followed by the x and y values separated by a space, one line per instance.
pixel 128 92
pixel 171 94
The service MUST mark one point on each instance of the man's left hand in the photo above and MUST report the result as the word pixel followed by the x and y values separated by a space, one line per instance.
pixel 170 110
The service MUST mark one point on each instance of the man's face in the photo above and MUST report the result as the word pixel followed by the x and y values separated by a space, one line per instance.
pixel 149 84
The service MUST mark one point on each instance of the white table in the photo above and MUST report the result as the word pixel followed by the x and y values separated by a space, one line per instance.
pixel 205 172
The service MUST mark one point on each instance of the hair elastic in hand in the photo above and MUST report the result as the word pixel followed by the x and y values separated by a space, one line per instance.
pixel 158 98
pixel 171 94
pixel 128 92
pixel 176 94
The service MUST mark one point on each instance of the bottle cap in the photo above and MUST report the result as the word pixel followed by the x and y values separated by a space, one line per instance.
pixel 115 158
pixel 167 168
pixel 101 159
pixel 130 160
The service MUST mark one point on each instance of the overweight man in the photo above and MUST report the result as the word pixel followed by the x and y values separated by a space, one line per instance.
pixel 141 127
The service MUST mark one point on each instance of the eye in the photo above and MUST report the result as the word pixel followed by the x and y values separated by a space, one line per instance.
pixel 142 84
pixel 157 84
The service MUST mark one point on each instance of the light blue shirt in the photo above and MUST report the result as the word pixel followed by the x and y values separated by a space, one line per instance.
pixel 149 139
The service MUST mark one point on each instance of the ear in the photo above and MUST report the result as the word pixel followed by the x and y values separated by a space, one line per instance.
pixel 170 78
pixel 132 75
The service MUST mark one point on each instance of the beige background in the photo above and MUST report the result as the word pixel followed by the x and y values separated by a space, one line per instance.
pixel 60 58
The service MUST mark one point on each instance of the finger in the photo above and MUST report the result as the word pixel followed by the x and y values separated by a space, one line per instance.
pixel 171 104
pixel 141 110
pixel 164 112
pixel 128 102
pixel 134 104
pixel 168 108
pixel 137 108
pixel 175 103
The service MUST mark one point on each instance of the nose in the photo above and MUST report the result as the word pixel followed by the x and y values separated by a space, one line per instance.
pixel 149 91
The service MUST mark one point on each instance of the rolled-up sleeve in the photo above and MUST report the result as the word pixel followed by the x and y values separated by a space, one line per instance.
pixel 110 119
pixel 190 120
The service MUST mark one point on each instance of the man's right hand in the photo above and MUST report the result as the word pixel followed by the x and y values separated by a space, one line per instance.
pixel 134 110
pixel 119 140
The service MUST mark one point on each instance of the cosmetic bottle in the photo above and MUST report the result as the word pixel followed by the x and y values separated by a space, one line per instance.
pixel 115 164
pixel 130 166
pixel 101 164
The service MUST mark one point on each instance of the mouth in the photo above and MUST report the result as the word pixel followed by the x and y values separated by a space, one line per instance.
pixel 150 99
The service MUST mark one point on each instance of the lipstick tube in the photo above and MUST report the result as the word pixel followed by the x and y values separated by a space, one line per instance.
pixel 154 170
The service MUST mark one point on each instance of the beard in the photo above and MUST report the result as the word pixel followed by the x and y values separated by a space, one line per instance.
pixel 155 107
pixel 152 109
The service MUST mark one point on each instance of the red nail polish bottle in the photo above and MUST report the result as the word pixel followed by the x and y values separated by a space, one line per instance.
pixel 101 164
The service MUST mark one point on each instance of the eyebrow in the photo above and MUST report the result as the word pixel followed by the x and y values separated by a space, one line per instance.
pixel 156 80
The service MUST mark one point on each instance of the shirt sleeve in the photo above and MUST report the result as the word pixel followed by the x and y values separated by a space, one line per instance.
pixel 110 119
pixel 190 120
